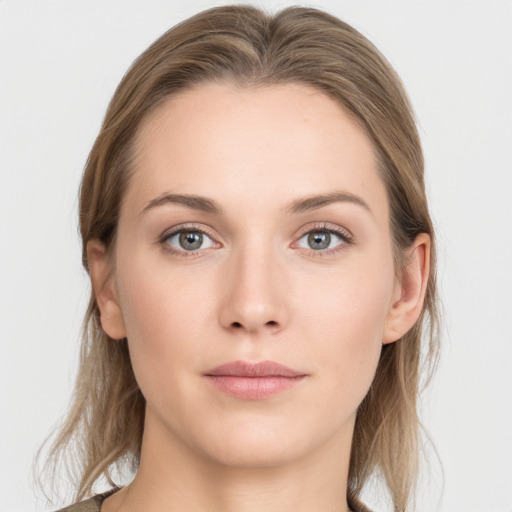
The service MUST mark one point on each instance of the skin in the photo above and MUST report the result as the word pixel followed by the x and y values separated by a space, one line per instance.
pixel 255 291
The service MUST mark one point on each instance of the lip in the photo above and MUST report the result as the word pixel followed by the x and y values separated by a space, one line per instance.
pixel 253 381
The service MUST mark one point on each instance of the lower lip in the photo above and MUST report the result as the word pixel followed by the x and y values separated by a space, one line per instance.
pixel 253 388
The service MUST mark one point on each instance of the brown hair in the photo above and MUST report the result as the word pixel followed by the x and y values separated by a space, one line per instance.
pixel 243 45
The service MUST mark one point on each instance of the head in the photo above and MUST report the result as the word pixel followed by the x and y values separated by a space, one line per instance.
pixel 258 117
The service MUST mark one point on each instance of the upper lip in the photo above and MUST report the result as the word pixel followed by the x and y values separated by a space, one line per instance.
pixel 258 369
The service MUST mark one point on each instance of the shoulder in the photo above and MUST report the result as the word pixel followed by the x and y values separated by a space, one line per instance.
pixel 90 505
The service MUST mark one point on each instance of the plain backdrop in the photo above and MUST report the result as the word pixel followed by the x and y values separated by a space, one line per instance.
pixel 59 65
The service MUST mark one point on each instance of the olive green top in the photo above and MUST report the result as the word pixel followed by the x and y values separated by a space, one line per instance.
pixel 90 505
pixel 94 504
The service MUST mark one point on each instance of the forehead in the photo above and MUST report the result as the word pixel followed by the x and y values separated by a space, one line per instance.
pixel 240 144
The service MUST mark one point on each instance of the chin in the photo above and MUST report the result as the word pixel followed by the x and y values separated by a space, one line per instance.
pixel 256 445
pixel 257 456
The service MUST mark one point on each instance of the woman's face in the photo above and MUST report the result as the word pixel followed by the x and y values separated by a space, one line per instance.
pixel 255 228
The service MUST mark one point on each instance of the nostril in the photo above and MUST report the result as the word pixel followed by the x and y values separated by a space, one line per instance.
pixel 238 325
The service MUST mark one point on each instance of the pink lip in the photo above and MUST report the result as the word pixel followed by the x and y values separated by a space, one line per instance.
pixel 253 381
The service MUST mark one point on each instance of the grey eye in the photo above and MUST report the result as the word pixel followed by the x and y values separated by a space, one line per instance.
pixel 189 240
pixel 320 240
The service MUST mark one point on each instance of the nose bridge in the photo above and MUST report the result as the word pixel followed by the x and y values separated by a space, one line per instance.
pixel 254 298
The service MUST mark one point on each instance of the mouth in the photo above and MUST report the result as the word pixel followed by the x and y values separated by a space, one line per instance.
pixel 253 381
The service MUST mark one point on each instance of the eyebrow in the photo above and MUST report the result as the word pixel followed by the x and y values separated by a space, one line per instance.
pixel 200 203
pixel 302 205
pixel 315 202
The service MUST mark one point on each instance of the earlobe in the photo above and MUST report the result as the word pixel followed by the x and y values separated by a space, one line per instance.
pixel 105 292
pixel 410 291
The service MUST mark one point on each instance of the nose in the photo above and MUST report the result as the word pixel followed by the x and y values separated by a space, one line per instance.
pixel 254 293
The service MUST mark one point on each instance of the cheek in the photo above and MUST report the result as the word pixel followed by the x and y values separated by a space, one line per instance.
pixel 165 315
pixel 352 302
pixel 160 309
pixel 344 321
pixel 164 318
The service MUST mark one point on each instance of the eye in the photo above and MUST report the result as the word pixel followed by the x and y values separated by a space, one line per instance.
pixel 188 240
pixel 323 239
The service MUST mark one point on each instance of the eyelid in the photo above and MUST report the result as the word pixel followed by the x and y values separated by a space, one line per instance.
pixel 187 226
pixel 331 228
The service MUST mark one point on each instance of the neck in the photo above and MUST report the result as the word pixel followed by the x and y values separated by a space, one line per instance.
pixel 174 477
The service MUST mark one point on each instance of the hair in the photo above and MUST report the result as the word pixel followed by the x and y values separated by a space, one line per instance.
pixel 249 48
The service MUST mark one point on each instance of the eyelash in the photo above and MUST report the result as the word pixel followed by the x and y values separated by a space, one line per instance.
pixel 345 236
pixel 346 239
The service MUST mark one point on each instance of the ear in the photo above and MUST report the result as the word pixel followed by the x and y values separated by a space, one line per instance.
pixel 409 291
pixel 104 286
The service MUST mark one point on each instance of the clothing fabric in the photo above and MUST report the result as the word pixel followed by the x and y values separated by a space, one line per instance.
pixel 94 504
pixel 90 505
pixel 356 506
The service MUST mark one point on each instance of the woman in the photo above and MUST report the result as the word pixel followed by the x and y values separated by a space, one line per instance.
pixel 255 226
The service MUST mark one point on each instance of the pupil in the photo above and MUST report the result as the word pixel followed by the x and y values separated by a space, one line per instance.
pixel 319 240
pixel 191 240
